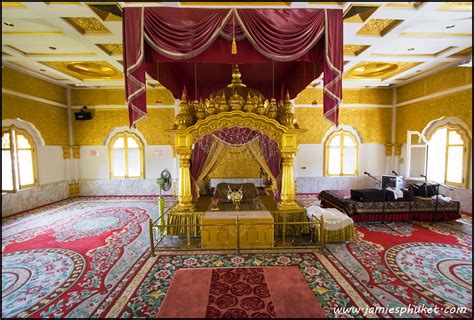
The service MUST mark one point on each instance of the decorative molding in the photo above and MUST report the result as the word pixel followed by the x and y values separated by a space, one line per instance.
pixel 342 127
pixel 30 97
pixel 116 130
pixel 76 152
pixel 397 149
pixel 389 149
pixel 66 152
pixel 28 126
pixel 445 121
pixel 435 95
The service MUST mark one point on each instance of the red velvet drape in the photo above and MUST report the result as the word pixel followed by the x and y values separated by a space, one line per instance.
pixel 277 50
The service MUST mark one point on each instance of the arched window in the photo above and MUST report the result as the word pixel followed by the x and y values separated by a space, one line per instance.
pixel 126 156
pixel 19 161
pixel 341 154
pixel 448 155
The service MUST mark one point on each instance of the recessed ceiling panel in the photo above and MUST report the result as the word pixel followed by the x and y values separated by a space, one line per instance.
pixel 48 45
pixel 28 26
pixel 359 13
pixel 86 70
pixel 354 49
pixel 378 70
pixel 111 48
pixel 378 27
pixel 107 12
pixel 463 53
pixel 87 25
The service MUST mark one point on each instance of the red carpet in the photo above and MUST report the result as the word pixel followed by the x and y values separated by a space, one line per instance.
pixel 255 292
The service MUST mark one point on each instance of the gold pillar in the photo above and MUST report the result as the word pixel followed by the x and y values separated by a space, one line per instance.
pixel 183 151
pixel 288 187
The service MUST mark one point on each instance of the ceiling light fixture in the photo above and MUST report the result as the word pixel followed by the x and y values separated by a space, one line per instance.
pixel 52 48
pixel 419 70
pixel 450 26
pixel 8 24
pixel 42 70
pixel 411 49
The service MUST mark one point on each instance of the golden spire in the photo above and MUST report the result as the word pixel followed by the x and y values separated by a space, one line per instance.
pixel 236 81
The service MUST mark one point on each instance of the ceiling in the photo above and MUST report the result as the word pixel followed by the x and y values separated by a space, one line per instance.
pixel 385 43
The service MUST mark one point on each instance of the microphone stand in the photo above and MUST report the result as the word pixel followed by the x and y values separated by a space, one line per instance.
pixel 373 178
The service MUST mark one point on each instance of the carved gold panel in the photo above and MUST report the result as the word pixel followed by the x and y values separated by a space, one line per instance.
pixel 86 70
pixel 378 70
pixel 87 25
pixel 378 27
pixel 354 49
pixel 51 121
pixel 416 116
pixel 111 48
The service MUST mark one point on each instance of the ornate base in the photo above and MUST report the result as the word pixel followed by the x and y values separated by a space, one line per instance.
pixel 184 207
pixel 289 206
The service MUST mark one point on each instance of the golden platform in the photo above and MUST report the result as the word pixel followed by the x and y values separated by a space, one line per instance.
pixel 252 229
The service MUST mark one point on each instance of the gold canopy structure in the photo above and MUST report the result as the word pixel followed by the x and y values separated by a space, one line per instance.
pixel 229 108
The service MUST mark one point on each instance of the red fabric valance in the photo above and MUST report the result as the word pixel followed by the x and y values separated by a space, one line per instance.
pixel 278 50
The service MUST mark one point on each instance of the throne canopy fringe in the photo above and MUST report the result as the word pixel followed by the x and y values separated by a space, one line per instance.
pixel 278 50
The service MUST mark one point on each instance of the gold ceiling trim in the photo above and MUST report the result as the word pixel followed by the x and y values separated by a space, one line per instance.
pixel 378 27
pixel 456 6
pixel 6 54
pixel 87 25
pixel 36 72
pixel 55 54
pixel 411 55
pixel 378 70
pixel 434 34
pixel 13 4
pixel 359 13
pixel 413 5
pixel 48 3
pixel 425 71
pixel 29 33
pixel 111 48
pixel 86 70
pixel 464 52
pixel 98 8
pixel 354 49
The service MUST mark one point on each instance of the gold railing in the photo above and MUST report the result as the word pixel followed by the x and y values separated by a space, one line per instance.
pixel 235 236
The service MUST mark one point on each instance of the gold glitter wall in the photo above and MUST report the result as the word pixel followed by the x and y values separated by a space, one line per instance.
pixel 51 121
pixel 94 132
pixel 103 97
pixel 24 83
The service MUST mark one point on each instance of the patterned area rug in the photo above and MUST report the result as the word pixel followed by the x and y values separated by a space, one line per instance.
pixel 88 257
pixel 72 258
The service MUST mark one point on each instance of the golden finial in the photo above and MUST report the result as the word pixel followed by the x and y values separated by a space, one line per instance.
pixel 236 81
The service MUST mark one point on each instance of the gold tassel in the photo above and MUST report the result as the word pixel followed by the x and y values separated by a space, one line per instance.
pixel 234 46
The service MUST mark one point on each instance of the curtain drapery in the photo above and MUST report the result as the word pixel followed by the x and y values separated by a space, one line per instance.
pixel 278 50
pixel 209 149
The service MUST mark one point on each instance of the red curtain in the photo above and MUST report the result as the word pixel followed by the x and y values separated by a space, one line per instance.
pixel 278 50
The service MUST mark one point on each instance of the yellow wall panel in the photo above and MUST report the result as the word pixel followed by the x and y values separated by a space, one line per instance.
pixel 374 125
pixel 103 97
pixel 416 116
pixel 51 121
pixel 349 96
pixel 444 80
pixel 24 83
pixel 95 131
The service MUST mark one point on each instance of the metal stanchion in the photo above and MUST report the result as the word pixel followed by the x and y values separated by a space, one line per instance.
pixel 152 242
pixel 237 224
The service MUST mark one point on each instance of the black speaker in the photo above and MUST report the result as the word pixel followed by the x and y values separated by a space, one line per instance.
pixel 83 114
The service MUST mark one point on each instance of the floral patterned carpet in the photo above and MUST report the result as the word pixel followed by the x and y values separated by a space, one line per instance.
pixel 89 257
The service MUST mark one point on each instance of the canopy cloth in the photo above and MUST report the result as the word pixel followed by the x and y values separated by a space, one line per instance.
pixel 278 50
pixel 210 148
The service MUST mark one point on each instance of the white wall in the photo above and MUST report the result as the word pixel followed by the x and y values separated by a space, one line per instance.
pixel 51 179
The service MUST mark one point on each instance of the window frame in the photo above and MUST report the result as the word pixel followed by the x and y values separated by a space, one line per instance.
pixel 466 153
pixel 342 134
pixel 14 131
pixel 141 150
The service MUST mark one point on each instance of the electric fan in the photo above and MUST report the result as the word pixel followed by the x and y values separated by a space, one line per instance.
pixel 165 184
